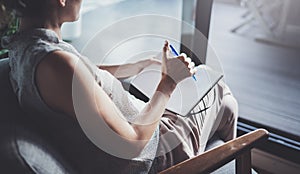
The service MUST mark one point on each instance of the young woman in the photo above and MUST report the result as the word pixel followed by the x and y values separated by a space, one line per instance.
pixel 43 71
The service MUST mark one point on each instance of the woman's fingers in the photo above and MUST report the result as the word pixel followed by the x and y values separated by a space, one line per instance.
pixel 165 50
pixel 191 65
pixel 182 59
pixel 184 55
pixel 165 57
pixel 188 62
pixel 187 59
pixel 193 71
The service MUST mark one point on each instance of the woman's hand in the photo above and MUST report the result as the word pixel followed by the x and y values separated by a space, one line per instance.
pixel 176 68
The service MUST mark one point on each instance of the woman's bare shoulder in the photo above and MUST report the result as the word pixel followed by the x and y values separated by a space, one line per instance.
pixel 54 76
pixel 58 61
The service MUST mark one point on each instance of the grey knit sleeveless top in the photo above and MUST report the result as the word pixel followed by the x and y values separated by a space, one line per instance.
pixel 27 49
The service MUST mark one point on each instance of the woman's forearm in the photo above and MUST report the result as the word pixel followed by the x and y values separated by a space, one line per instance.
pixel 148 119
pixel 122 71
pixel 138 132
pixel 129 69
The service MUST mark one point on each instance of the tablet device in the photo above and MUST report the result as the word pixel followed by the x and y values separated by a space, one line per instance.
pixel 187 94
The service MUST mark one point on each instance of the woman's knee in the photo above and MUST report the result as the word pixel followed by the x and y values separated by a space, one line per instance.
pixel 230 107
pixel 227 128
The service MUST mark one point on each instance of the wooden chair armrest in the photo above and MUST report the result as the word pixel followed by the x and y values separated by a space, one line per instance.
pixel 217 157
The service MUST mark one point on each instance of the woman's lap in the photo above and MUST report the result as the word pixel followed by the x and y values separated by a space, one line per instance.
pixel 185 137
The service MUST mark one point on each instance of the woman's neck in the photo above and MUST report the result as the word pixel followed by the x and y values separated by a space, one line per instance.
pixel 31 23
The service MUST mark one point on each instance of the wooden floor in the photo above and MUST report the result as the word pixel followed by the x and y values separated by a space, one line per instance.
pixel 264 78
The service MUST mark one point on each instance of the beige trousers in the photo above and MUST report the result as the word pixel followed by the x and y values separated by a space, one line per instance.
pixel 185 137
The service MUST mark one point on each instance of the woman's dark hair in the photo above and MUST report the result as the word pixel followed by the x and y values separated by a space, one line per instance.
pixel 29 8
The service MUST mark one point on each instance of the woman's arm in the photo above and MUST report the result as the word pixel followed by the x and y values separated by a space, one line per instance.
pixel 130 69
pixel 60 71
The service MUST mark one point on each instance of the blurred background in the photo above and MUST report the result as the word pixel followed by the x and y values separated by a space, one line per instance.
pixel 256 41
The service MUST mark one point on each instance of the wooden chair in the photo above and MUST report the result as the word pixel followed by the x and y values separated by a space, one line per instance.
pixel 239 149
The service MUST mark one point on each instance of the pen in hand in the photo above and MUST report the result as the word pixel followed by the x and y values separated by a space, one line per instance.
pixel 176 54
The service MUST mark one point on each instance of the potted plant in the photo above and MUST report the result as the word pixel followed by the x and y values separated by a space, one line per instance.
pixel 8 25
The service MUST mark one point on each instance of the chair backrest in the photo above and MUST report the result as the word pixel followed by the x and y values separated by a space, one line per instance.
pixel 8 102
pixel 9 158
pixel 18 141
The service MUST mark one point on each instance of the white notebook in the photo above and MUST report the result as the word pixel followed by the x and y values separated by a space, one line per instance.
pixel 188 92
